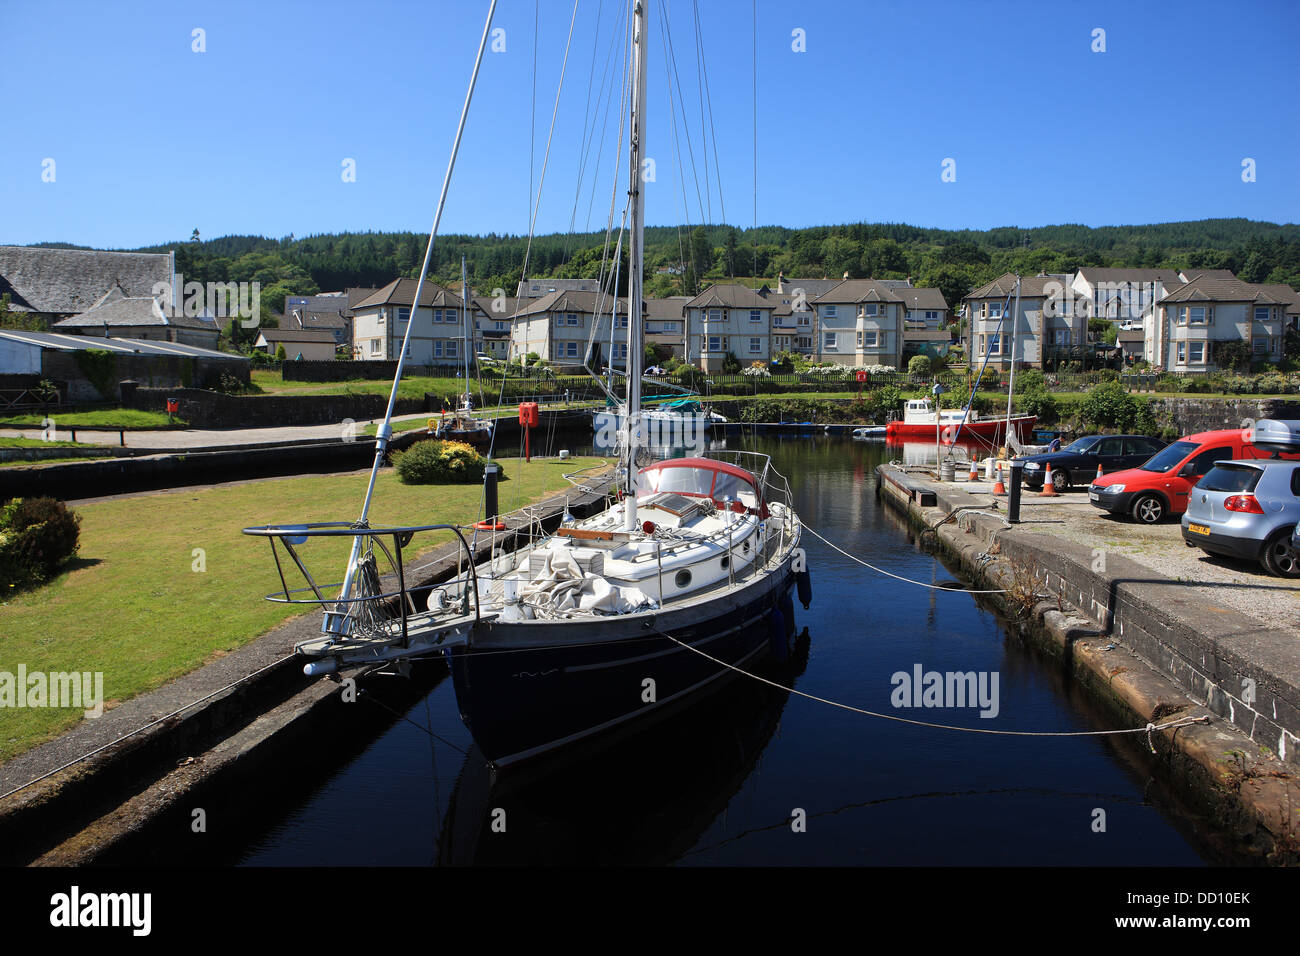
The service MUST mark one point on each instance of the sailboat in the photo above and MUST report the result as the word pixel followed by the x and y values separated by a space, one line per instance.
pixel 607 622
pixel 464 425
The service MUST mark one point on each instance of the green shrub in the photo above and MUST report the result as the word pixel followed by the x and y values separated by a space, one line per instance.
pixel 920 365
pixel 1109 405
pixel 1040 402
pixel 439 462
pixel 36 536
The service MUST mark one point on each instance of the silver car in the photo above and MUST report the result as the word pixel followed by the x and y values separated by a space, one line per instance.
pixel 1247 510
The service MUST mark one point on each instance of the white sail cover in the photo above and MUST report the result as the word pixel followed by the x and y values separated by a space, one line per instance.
pixel 561 585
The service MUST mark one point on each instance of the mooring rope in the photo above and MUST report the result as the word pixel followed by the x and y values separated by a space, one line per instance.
pixel 1149 729
pixel 899 577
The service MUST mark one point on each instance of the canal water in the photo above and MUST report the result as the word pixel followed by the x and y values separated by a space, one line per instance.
pixel 751 775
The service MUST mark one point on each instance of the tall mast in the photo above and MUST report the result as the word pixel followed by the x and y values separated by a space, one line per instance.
pixel 1011 381
pixel 464 302
pixel 636 255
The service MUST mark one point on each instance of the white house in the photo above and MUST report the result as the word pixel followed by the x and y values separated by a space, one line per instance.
pixel 1194 322
pixel 860 322
pixel 379 323
pixel 728 318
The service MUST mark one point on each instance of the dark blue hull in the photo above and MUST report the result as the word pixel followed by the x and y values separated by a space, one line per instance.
pixel 529 700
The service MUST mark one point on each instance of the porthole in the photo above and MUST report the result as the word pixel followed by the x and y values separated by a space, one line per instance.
pixel 747 547
pixel 683 579
pixel 725 561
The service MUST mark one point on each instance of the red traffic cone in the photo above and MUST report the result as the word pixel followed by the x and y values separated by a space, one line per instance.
pixel 974 472
pixel 1049 488
pixel 998 487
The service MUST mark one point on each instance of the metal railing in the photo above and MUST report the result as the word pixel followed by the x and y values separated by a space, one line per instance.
pixel 363 611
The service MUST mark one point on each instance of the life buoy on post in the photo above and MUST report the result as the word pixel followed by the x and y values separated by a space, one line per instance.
pixel 528 419
pixel 862 375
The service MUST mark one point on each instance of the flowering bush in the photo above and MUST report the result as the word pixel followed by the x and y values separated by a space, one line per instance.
pixel 439 462
pixel 757 371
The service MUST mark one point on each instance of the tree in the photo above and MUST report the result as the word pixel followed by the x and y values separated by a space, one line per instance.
pixel 280 354
pixel 194 236
pixel 920 365
pixel 19 321
pixel 729 251
pixel 701 256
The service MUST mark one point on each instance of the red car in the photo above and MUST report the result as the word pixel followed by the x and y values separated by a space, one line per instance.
pixel 1159 488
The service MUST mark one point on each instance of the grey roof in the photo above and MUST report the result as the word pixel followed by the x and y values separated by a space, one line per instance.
pixel 1095 275
pixel 859 290
pixel 927 335
pixel 536 288
pixel 81 343
pixel 567 301
pixel 402 292
pixel 1031 287
pixel 729 295
pixel 1212 289
pixel 811 287
pixel 1130 335
pixel 923 299
pixel 69 281
pixel 896 284
pixel 1286 294
pixel 485 303
pixel 134 312
pixel 669 307
pixel 312 320
pixel 358 294
pixel 1208 273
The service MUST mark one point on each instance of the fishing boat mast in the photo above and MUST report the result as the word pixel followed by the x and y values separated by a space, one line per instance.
pixel 1011 381
pixel 464 299
pixel 636 257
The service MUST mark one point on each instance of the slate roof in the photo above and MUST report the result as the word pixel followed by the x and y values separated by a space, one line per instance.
pixel 312 320
pixel 118 312
pixel 669 307
pixel 1094 275
pixel 923 299
pixel 729 295
pixel 1210 289
pixel 567 301
pixel 79 343
pixel 70 281
pixel 402 292
pixel 859 290
pixel 1031 287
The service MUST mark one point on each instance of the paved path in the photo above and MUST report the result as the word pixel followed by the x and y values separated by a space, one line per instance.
pixel 208 438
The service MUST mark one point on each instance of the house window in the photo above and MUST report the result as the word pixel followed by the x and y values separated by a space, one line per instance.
pixel 1261 345
pixel 1196 352
pixel 778 321
pixel 715 315
pixel 870 339
pixel 803 342
pixel 871 309
pixel 931 316
pixel 755 346
pixel 451 350
pixel 403 315
pixel 571 349
pixel 437 348
pixel 830 311
pixel 755 315
pixel 1061 337
pixel 1191 315
pixel 1261 314
pixel 828 342
pixel 995 344
pixel 622 350
pixel 995 310
pixel 1182 353
pixel 715 343
pixel 803 321
pixel 374 346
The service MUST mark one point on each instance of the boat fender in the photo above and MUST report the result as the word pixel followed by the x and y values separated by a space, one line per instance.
pixel 804 583
pixel 776 629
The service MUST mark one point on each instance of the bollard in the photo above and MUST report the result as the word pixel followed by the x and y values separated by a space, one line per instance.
pixel 490 472
pixel 74 436
pixel 1013 493
pixel 121 437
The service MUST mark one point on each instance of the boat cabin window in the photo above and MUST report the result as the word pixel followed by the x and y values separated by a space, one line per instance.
pixel 698 480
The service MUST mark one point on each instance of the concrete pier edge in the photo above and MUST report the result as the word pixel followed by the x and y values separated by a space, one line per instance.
pixel 1147 658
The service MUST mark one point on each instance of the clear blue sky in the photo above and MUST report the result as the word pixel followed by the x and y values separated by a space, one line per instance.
pixel 151 140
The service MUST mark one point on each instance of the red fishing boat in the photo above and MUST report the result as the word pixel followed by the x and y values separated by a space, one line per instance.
pixel 920 418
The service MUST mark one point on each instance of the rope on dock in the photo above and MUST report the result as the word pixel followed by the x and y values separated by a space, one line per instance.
pixel 151 723
pixel 899 577
pixel 1149 729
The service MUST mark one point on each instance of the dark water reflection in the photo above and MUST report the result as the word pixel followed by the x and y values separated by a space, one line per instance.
pixel 722 782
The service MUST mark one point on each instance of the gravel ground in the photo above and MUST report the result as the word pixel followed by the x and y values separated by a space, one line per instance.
pixel 1241 585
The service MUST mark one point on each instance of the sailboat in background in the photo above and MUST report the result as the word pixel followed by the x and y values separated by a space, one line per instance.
pixel 464 425
pixel 608 622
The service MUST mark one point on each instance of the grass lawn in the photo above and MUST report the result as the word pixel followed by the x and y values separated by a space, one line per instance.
pixel 51 461
pixel 134 606
pixel 101 418
pixel 36 443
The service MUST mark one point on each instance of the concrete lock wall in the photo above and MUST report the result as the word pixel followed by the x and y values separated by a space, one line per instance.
pixel 207 409
pixel 163 371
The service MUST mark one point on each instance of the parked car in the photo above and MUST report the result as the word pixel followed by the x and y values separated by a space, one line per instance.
pixel 1076 463
pixel 1160 487
pixel 1247 510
